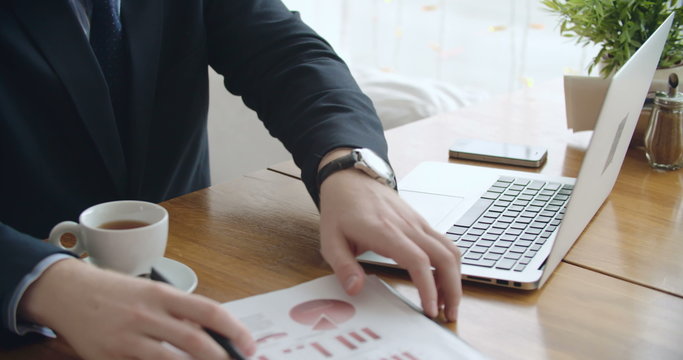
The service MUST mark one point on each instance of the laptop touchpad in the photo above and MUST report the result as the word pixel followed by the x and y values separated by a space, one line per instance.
pixel 433 207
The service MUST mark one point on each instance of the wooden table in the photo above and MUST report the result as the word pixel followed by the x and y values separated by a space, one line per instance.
pixel 260 233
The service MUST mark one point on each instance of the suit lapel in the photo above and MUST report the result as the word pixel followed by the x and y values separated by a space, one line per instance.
pixel 57 33
pixel 142 21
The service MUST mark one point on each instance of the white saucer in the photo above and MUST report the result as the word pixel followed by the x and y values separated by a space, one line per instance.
pixel 178 274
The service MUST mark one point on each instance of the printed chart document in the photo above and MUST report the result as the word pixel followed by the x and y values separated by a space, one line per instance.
pixel 317 320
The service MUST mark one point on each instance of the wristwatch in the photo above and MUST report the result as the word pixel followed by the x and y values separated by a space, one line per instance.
pixel 362 159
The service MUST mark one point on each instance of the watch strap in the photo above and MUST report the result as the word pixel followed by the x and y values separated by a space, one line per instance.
pixel 341 163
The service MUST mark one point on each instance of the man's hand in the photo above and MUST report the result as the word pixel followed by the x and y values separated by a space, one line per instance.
pixel 358 214
pixel 105 315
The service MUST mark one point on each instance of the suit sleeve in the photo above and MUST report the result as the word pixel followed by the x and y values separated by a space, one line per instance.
pixel 19 255
pixel 301 90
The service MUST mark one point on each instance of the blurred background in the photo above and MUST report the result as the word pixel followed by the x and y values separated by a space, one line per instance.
pixel 490 45
pixel 414 58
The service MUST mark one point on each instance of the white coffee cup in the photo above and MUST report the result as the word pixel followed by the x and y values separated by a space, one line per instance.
pixel 125 236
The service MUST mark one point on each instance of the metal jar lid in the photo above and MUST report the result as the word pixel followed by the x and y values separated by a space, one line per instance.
pixel 663 100
pixel 673 100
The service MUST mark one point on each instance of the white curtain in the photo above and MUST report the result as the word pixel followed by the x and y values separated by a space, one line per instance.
pixel 488 45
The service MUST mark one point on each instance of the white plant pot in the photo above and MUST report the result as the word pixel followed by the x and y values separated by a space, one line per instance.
pixel 584 96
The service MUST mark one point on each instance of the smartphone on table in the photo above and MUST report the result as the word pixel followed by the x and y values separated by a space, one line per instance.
pixel 499 152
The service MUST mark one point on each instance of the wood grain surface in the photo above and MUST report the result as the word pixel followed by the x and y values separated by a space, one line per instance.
pixel 260 233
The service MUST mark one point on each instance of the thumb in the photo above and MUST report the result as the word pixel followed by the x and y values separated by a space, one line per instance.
pixel 335 250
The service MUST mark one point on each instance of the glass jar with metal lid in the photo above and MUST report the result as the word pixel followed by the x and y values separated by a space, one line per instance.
pixel 664 135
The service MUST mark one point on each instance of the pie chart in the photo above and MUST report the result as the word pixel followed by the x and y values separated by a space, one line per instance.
pixel 322 314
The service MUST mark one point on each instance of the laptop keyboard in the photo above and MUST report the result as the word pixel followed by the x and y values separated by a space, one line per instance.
pixel 507 226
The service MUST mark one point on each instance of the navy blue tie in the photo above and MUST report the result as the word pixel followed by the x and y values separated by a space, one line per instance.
pixel 109 46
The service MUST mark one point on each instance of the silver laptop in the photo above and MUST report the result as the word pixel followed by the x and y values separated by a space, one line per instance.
pixel 513 228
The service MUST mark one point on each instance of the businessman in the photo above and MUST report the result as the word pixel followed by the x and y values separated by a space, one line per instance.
pixel 107 99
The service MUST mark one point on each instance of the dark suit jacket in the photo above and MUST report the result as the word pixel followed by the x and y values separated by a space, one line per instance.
pixel 60 150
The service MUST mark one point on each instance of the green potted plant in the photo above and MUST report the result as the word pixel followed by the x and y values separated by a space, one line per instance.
pixel 618 28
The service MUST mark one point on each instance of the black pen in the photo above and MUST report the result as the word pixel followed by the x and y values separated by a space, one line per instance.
pixel 225 344
pixel 157 276
pixel 220 339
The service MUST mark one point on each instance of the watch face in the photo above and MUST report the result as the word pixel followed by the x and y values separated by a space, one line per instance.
pixel 376 163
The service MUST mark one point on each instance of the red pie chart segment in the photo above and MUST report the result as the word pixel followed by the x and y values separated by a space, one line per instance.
pixel 322 314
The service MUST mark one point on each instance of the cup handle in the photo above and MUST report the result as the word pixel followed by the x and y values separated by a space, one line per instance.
pixel 68 227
